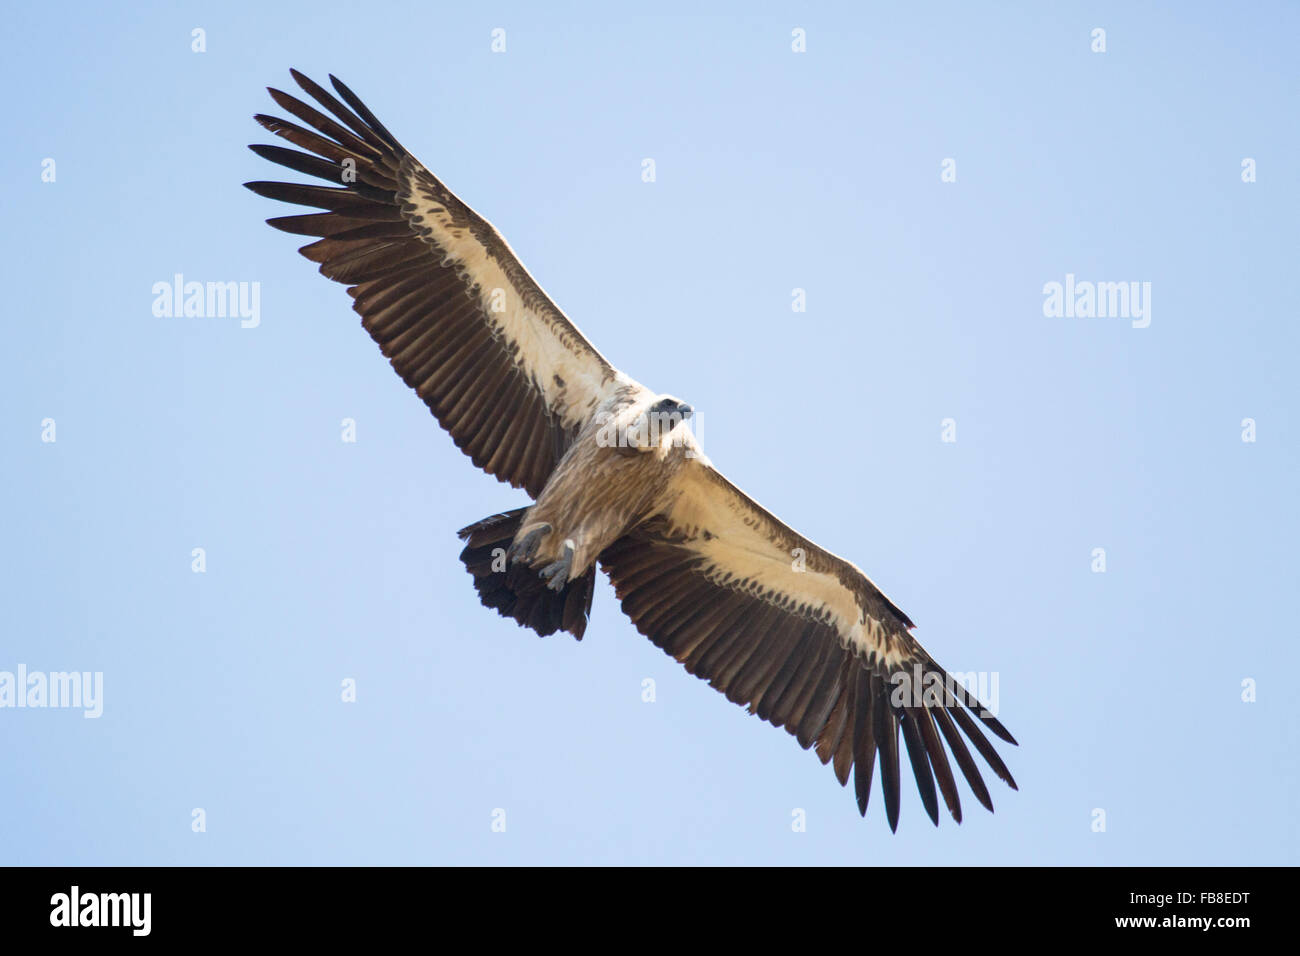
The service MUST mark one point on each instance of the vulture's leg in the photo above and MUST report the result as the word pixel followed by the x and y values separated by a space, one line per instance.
pixel 557 573
pixel 526 547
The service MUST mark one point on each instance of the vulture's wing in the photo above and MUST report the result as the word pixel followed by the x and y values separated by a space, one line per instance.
pixel 459 317
pixel 800 636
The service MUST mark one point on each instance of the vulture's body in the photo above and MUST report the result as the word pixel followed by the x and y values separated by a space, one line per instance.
pixel 797 634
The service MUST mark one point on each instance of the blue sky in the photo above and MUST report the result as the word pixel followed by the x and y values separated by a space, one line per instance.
pixel 775 171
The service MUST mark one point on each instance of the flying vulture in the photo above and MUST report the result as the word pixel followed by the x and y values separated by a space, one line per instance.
pixel 798 635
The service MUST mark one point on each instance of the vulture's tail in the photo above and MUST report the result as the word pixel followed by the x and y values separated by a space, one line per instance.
pixel 516 590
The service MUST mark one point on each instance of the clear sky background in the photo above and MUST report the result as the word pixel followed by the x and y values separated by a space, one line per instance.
pixel 775 171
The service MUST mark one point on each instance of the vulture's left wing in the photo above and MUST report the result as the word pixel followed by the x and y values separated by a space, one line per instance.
pixel 440 291
pixel 800 636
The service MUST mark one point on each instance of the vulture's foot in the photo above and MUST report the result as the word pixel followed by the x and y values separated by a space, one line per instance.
pixel 557 572
pixel 526 547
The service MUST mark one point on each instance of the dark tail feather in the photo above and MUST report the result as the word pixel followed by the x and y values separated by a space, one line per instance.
pixel 516 591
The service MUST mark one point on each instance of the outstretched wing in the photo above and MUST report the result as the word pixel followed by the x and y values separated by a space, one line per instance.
pixel 803 638
pixel 461 320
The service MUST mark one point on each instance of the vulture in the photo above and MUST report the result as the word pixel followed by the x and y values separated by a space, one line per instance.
pixel 796 634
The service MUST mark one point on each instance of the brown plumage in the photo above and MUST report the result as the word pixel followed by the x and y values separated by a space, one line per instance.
pixel 799 636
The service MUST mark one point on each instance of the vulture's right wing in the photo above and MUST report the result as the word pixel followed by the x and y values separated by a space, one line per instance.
pixel 462 321
pixel 803 638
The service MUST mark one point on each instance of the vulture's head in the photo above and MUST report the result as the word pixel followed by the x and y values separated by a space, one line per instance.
pixel 655 425
pixel 670 412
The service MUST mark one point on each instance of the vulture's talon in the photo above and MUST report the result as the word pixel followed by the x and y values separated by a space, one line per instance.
pixel 557 572
pixel 526 547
